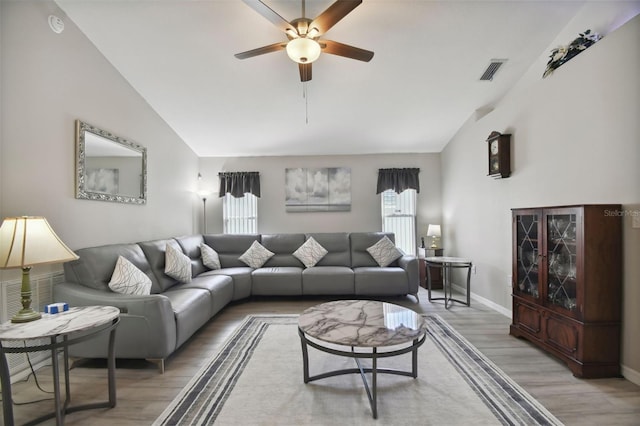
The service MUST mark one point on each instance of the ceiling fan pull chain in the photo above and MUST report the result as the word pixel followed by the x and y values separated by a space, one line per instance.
pixel 305 95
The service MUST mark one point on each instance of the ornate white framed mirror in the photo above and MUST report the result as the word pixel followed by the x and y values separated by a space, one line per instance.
pixel 108 167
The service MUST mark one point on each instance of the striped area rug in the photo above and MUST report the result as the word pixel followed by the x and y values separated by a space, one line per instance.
pixel 256 379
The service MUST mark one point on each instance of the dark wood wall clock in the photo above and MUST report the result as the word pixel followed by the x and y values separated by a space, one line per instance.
pixel 499 150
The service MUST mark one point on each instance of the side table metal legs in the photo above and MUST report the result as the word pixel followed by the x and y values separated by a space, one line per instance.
pixel 61 408
pixel 447 268
pixel 5 382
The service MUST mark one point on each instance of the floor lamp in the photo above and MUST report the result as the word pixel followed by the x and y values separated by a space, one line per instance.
pixel 203 195
pixel 25 242
pixel 204 214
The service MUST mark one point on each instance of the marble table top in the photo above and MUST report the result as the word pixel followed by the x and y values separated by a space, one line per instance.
pixel 447 259
pixel 362 323
pixel 71 321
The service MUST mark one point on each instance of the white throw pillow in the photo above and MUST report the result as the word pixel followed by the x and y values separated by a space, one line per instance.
pixel 127 279
pixel 210 257
pixel 310 252
pixel 256 255
pixel 177 265
pixel 384 251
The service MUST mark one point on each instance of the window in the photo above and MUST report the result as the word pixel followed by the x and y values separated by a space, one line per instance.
pixel 399 217
pixel 240 215
pixel 240 203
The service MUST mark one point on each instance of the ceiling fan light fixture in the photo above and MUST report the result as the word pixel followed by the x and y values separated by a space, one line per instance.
pixel 303 50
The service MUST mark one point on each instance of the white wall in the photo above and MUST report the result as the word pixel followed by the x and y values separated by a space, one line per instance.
pixel 575 140
pixel 365 212
pixel 48 81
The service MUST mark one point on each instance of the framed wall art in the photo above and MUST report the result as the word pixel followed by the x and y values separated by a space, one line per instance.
pixel 322 189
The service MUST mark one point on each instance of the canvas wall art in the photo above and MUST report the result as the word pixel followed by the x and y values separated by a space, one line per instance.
pixel 326 189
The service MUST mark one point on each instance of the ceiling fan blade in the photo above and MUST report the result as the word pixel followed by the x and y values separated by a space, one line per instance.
pixel 261 50
pixel 305 72
pixel 270 15
pixel 335 48
pixel 333 14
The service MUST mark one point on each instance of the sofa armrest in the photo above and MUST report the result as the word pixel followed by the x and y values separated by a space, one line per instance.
pixel 147 327
pixel 410 264
pixel 79 295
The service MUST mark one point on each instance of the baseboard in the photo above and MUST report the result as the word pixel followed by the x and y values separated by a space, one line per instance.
pixel 488 303
pixel 631 375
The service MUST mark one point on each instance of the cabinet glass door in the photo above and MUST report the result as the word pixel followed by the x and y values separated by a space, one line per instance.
pixel 527 228
pixel 561 260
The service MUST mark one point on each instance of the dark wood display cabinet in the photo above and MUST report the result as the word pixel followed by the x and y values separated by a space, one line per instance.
pixel 567 284
pixel 436 273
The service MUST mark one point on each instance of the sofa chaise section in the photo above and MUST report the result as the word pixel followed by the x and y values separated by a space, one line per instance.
pixel 400 277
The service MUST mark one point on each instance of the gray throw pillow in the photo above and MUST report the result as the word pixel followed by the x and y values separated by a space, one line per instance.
pixel 256 255
pixel 210 257
pixel 128 279
pixel 310 252
pixel 177 265
pixel 384 252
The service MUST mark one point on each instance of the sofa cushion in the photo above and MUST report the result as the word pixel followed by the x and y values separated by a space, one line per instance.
pixel 210 257
pixel 373 281
pixel 241 277
pixel 191 310
pixel 282 246
pixel 95 265
pixel 277 281
pixel 127 279
pixel 337 246
pixel 310 252
pixel 384 252
pixel 230 247
pixel 256 255
pixel 191 247
pixel 220 288
pixel 327 280
pixel 360 242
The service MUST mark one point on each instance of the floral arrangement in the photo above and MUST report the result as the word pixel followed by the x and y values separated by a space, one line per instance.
pixel 562 54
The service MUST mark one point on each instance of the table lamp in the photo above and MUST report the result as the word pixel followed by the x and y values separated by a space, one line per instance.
pixel 434 232
pixel 27 241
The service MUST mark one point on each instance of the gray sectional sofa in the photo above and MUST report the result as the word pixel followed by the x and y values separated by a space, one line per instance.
pixel 153 326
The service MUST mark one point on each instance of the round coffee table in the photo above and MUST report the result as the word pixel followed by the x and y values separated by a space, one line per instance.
pixel 376 329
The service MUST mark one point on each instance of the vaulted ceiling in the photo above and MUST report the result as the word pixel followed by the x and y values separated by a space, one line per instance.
pixel 420 87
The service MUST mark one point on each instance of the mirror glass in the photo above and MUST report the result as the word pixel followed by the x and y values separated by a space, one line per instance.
pixel 108 167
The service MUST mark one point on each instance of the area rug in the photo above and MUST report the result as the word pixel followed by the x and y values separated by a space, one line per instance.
pixel 256 379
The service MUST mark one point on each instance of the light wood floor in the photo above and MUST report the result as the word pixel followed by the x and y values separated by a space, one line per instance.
pixel 143 393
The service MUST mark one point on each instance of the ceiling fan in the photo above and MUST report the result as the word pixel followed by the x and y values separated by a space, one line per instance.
pixel 304 45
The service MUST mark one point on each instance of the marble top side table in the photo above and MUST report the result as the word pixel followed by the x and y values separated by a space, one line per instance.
pixel 62 330
pixel 448 264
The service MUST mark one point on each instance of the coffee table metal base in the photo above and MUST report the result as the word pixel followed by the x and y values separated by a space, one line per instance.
pixel 374 370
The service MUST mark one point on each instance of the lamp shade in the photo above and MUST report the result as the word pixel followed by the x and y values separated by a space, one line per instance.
pixel 434 231
pixel 26 241
pixel 303 50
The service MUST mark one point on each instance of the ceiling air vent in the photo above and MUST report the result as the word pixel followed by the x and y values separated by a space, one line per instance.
pixel 492 69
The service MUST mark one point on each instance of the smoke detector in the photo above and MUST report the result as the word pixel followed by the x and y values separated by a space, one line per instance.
pixel 56 24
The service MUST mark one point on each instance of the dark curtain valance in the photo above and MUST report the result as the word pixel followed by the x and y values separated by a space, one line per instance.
pixel 239 183
pixel 398 180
